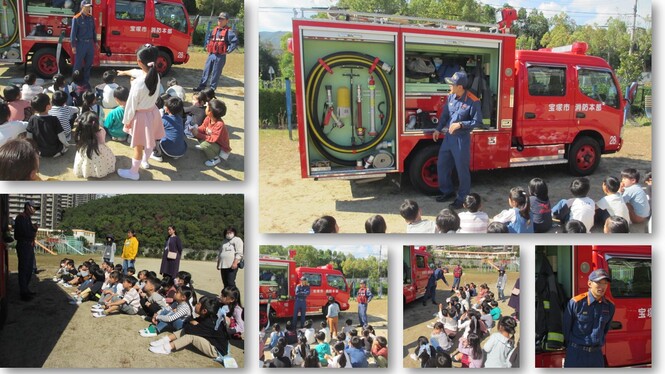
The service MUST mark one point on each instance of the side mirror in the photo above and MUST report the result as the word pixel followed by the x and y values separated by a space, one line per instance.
pixel 631 92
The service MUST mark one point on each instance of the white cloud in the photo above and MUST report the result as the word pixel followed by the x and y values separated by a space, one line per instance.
pixel 358 251
pixel 276 15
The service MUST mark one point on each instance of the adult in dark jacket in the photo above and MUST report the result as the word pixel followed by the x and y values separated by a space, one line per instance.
pixel 25 232
pixel 173 248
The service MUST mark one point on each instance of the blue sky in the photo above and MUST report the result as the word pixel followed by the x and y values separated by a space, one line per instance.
pixel 358 251
pixel 275 15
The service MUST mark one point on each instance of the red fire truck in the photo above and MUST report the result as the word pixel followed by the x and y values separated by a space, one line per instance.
pixel 416 272
pixel 277 283
pixel 369 91
pixel 33 31
pixel 628 342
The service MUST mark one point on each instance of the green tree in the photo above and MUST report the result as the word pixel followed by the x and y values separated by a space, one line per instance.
pixel 374 6
pixel 267 59
pixel 563 27
pixel 286 59
pixel 630 68
pixel 214 7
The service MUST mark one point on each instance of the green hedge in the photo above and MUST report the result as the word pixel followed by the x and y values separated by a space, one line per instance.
pixel 272 108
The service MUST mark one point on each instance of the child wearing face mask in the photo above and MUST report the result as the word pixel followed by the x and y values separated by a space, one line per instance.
pixel 230 257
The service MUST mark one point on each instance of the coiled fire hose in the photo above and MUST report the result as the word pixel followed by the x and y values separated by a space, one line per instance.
pixel 313 82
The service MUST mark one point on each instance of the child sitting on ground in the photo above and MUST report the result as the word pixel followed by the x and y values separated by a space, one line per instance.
pixel 348 326
pixel 339 359
pixel 59 84
pixel 322 348
pixel 214 134
pixel 439 339
pixel 325 225
pixel 175 90
pixel 616 225
pixel 78 87
pixel 518 217
pixel 470 354
pixel 172 318
pixel 89 104
pixel 66 114
pixel 412 214
pixel 447 222
pixel 612 203
pixel 309 332
pixel 199 332
pixel 634 196
pixel 275 335
pixel 375 224
pixel 473 221
pixel 326 330
pixel 380 351
pixel 94 159
pixel 153 301
pixel 19 109
pixel 92 290
pixel 46 129
pixel 129 304
pixel 196 113
pixel 501 344
pixel 173 143
pixel 30 89
pixel 108 89
pixel 113 122
pixel 541 209
pixel 580 207
pixel 357 353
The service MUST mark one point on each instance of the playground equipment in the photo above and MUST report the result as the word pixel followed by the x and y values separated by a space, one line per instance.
pixel 62 244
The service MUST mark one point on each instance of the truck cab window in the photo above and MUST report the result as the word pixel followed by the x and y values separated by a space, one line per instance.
pixel 420 261
pixel 547 81
pixel 599 86
pixel 126 10
pixel 336 281
pixel 313 279
pixel 172 15
pixel 631 278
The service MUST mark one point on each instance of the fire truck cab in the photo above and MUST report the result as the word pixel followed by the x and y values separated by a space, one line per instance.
pixel 370 89
pixel 416 272
pixel 277 282
pixel 38 32
pixel 628 342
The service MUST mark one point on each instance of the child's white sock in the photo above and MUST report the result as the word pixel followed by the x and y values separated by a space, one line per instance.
pixel 146 154
pixel 135 166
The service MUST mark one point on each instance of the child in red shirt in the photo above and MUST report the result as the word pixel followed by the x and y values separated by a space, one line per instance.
pixel 213 134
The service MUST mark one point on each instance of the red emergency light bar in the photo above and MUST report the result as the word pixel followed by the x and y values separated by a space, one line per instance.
pixel 578 48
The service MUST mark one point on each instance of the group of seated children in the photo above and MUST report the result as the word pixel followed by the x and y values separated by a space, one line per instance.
pixel 530 211
pixel 310 348
pixel 170 304
pixel 75 113
pixel 469 320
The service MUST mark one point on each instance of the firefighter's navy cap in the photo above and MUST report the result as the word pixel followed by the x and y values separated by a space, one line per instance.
pixel 33 204
pixel 86 3
pixel 598 275
pixel 458 79
pixel 223 15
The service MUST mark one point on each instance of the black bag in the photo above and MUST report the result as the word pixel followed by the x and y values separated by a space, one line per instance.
pixel 241 264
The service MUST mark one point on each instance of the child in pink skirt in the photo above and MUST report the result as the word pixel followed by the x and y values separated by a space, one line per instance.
pixel 142 119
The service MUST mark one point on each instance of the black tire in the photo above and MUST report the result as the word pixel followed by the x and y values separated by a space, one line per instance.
pixel 584 156
pixel 422 170
pixel 164 63
pixel 44 63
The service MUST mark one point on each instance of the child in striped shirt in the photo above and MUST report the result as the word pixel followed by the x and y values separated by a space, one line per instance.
pixel 173 318
pixel 63 112
pixel 473 221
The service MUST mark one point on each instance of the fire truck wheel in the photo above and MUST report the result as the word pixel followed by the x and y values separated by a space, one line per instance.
pixel 163 63
pixel 264 318
pixel 422 170
pixel 584 156
pixel 44 63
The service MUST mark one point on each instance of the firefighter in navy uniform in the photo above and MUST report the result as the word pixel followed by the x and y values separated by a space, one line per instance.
pixel 25 232
pixel 586 322
pixel 460 115
pixel 84 38
pixel 302 292
pixel 223 40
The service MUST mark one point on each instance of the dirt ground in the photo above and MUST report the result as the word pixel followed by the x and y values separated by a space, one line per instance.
pixel 49 332
pixel 377 317
pixel 190 167
pixel 351 203
pixel 420 316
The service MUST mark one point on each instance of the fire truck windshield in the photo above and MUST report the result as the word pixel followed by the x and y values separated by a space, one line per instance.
pixel 172 15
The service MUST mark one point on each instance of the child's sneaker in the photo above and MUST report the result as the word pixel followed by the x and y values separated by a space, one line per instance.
pixel 99 315
pixel 163 349
pixel 156 158
pixel 127 174
pixel 149 332
pixel 162 341
pixel 55 279
pixel 213 161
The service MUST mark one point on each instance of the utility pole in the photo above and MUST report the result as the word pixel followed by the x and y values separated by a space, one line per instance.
pixel 632 34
